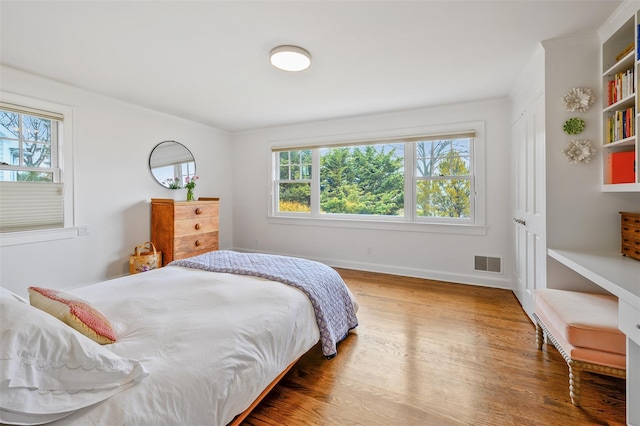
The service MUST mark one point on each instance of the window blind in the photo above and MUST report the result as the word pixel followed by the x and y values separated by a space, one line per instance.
pixel 417 138
pixel 47 115
pixel 31 205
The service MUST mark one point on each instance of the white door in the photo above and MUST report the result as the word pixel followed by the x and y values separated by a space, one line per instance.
pixel 528 134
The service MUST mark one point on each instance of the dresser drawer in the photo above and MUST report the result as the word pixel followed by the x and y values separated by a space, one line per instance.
pixel 631 231
pixel 197 210
pixel 632 252
pixel 630 219
pixel 630 241
pixel 630 234
pixel 201 225
pixel 192 245
pixel 629 320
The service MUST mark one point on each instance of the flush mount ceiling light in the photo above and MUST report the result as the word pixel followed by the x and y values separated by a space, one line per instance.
pixel 290 58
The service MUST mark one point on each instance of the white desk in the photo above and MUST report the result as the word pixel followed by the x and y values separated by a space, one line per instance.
pixel 620 276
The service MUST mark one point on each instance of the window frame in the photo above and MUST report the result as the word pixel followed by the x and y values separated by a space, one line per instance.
pixel 476 225
pixel 22 142
pixel 472 195
pixel 64 156
pixel 277 180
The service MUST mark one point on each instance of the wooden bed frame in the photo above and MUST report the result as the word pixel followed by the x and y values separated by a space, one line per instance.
pixel 240 417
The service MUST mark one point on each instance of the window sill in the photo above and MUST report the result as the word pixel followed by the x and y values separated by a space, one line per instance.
pixel 435 228
pixel 36 236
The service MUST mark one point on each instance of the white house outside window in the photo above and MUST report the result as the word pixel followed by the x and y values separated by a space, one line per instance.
pixel 429 179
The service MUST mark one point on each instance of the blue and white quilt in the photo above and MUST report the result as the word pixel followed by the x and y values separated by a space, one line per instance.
pixel 334 310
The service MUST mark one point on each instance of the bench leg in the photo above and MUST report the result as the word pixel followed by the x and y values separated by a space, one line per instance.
pixel 539 336
pixel 574 385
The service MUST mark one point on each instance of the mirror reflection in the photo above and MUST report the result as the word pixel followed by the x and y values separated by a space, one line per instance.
pixel 171 163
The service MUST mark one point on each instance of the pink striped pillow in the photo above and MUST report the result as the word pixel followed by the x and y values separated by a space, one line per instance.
pixel 74 312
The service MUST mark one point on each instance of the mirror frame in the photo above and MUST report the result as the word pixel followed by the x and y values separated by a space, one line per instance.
pixel 174 162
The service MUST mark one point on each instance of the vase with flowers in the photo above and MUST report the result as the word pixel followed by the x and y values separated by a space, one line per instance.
pixel 190 184
pixel 172 183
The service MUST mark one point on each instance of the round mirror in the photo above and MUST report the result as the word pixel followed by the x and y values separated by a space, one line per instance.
pixel 170 163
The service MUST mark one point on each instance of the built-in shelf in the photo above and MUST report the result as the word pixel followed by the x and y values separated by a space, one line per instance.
pixel 615 154
pixel 618 274
pixel 621 187
pixel 627 102
pixel 631 141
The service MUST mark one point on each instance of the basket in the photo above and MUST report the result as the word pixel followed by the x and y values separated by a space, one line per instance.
pixel 144 259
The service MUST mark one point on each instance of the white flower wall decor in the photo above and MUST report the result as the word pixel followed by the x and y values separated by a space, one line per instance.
pixel 579 151
pixel 578 99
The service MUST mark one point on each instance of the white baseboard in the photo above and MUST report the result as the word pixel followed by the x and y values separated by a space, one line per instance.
pixel 484 280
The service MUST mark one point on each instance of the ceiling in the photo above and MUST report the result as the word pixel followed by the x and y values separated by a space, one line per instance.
pixel 207 61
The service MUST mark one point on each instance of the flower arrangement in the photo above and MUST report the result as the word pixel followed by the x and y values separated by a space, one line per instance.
pixel 172 183
pixel 190 184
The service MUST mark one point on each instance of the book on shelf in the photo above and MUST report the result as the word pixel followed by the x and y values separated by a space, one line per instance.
pixel 625 51
pixel 621 167
pixel 621 125
pixel 621 86
pixel 638 44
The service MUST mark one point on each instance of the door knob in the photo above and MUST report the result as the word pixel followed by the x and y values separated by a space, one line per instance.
pixel 520 221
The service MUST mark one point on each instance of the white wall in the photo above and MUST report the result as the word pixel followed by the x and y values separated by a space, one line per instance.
pixel 431 255
pixel 113 185
pixel 579 214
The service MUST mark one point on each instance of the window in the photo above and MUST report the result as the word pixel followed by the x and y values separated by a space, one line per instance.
pixel 362 180
pixel 429 179
pixel 32 188
pixel 294 181
pixel 443 178
pixel 28 147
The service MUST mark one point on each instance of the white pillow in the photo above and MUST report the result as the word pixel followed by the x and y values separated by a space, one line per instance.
pixel 48 369
pixel 9 294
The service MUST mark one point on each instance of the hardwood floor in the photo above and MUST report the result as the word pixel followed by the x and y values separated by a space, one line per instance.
pixel 433 353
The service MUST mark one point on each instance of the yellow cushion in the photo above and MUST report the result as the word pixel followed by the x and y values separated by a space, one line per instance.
pixel 74 312
pixel 586 321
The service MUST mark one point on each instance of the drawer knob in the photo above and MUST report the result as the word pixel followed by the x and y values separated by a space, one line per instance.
pixel 198 226
pixel 198 210
pixel 198 242
pixel 638 326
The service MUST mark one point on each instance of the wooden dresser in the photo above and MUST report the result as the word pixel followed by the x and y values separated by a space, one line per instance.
pixel 630 234
pixel 182 229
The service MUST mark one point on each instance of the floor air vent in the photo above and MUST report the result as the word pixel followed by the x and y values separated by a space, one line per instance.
pixel 489 264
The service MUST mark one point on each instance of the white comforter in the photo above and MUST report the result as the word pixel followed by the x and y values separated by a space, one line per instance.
pixel 210 341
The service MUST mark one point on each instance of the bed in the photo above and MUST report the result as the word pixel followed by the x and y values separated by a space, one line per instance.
pixel 197 342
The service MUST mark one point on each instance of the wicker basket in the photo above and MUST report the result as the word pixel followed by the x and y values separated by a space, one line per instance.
pixel 145 258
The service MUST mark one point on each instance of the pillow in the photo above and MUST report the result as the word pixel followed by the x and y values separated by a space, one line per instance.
pixel 49 370
pixel 74 312
pixel 9 294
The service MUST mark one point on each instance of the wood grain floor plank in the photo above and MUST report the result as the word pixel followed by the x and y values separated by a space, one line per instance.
pixel 434 353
